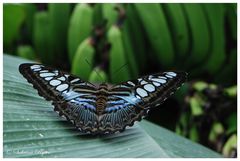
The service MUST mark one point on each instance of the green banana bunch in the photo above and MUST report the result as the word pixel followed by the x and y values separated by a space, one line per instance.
pixel 42 37
pixel 200 44
pixel 119 70
pixel 26 51
pixel 59 19
pixel 179 30
pixel 133 28
pixel 98 76
pixel 80 27
pixel 109 13
pixel 200 111
pixel 83 60
pixel 158 34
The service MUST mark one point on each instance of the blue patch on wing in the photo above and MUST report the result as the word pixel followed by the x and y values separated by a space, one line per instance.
pixel 120 102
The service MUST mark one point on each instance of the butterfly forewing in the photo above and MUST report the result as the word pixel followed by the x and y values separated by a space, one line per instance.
pixel 151 90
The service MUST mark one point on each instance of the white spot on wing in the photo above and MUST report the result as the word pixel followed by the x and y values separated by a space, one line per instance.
pixel 150 76
pixel 75 80
pixel 156 84
pixel 169 76
pixel 35 66
pixel 46 74
pixel 48 78
pixel 62 87
pixel 36 69
pixel 161 77
pixel 130 83
pixel 55 82
pixel 172 74
pixel 159 80
pixel 143 82
pixel 149 87
pixel 141 92
pixel 44 71
pixel 62 78
pixel 138 96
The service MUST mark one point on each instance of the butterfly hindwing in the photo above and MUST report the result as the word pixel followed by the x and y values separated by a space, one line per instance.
pixel 119 114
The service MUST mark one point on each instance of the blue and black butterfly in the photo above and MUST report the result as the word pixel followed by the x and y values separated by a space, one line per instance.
pixel 101 108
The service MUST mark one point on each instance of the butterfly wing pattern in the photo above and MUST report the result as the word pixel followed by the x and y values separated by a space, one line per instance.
pixel 101 108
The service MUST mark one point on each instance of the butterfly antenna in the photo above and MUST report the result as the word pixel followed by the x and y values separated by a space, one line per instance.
pixel 94 70
pixel 119 69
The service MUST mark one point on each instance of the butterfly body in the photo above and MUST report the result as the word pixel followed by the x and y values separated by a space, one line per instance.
pixel 101 108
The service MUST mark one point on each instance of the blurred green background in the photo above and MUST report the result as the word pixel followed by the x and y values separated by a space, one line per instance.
pixel 126 41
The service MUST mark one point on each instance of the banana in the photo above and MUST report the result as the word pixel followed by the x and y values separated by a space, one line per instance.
pixel 30 10
pixel 200 35
pixel 228 72
pixel 97 14
pixel 200 86
pixel 59 18
pixel 128 47
pixel 137 40
pixel 98 76
pixel 231 91
pixel 193 133
pixel 179 29
pixel 79 28
pixel 230 146
pixel 158 33
pixel 129 53
pixel 216 130
pixel 119 70
pixel 232 19
pixel 109 13
pixel 196 107
pixel 82 64
pixel 216 19
pixel 42 38
pixel 26 51
pixel 182 124
pixel 11 28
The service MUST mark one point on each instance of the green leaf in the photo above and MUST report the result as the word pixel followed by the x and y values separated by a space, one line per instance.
pixel 32 129
pixel 174 145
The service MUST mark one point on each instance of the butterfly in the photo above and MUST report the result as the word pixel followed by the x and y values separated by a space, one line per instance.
pixel 101 108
